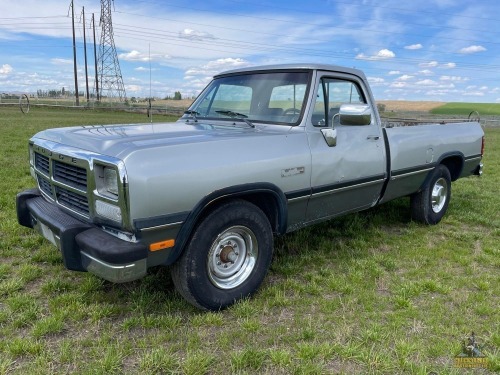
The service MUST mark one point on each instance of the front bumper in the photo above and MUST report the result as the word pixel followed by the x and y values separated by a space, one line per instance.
pixel 84 247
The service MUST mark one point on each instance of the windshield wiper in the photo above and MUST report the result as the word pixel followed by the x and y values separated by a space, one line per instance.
pixel 237 115
pixel 192 113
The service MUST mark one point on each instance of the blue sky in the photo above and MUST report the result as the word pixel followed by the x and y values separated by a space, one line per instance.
pixel 438 50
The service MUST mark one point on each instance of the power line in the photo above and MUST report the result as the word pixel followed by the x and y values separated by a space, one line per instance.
pixel 167 35
pixel 317 25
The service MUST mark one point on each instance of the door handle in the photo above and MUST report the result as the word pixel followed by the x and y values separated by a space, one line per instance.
pixel 373 137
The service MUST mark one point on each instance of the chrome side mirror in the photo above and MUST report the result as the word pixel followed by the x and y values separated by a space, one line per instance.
pixel 330 135
pixel 355 114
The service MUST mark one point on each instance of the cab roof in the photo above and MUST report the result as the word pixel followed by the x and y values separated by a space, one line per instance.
pixel 298 66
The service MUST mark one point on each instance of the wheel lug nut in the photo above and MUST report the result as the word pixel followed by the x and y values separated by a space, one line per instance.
pixel 236 253
pixel 218 263
pixel 225 265
pixel 217 255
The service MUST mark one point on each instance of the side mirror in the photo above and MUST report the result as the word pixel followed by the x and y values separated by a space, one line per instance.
pixel 355 114
pixel 330 135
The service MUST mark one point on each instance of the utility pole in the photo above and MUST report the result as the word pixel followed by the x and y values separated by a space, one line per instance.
pixel 74 53
pixel 95 62
pixel 85 52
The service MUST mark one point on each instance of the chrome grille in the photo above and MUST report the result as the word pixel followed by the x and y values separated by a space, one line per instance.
pixel 63 178
pixel 44 185
pixel 42 163
pixel 72 200
pixel 70 175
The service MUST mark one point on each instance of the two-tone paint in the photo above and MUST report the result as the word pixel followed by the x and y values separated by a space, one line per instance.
pixel 171 174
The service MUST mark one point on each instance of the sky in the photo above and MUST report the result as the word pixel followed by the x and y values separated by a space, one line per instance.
pixel 428 50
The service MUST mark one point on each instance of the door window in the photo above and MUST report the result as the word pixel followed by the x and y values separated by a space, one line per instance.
pixel 331 94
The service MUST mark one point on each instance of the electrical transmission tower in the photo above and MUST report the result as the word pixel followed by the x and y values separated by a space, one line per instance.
pixel 109 73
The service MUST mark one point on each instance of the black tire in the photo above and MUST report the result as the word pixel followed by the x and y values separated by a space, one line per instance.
pixel 226 258
pixel 430 204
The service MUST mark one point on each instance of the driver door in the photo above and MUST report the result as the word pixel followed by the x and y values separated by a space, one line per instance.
pixel 349 175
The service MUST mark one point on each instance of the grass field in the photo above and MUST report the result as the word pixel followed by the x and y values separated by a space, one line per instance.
pixel 367 293
pixel 484 109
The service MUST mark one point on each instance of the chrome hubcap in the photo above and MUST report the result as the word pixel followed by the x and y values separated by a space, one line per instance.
pixel 232 257
pixel 439 195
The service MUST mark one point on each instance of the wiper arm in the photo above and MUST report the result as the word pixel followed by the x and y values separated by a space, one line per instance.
pixel 192 113
pixel 237 115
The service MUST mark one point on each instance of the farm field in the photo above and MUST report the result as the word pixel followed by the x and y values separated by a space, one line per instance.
pixel 368 293
pixel 489 109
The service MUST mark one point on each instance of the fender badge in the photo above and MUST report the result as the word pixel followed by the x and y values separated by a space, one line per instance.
pixel 292 171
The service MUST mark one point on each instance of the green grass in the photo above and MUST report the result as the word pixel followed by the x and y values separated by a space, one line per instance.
pixel 484 109
pixel 368 293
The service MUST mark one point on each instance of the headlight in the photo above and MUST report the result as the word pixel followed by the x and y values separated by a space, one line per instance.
pixel 111 181
pixel 107 182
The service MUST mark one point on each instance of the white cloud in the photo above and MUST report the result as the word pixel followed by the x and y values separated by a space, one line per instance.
pixel 394 72
pixel 472 49
pixel 383 54
pixel 143 57
pixel 426 72
pixel 430 64
pixel 405 77
pixel 217 66
pixel 376 81
pixel 436 92
pixel 426 82
pixel 195 35
pixel 6 69
pixel 399 85
pixel 449 65
pixel 473 93
pixel 414 46
pixel 133 56
pixel 144 69
pixel 453 78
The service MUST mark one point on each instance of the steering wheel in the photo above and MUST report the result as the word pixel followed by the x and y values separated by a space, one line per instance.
pixel 291 111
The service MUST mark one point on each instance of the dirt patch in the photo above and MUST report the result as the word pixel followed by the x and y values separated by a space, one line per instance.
pixel 401 105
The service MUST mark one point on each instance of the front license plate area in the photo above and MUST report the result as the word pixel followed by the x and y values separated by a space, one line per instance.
pixel 47 233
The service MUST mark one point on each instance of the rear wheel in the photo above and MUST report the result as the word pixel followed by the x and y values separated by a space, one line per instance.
pixel 430 204
pixel 227 257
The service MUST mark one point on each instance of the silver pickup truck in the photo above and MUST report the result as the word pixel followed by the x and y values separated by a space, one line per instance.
pixel 262 151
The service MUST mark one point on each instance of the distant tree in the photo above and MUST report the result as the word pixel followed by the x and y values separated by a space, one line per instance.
pixel 381 107
pixel 177 95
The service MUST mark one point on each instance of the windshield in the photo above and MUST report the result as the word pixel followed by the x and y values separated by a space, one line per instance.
pixel 272 97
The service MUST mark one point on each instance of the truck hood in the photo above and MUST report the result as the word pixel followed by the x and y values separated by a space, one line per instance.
pixel 121 140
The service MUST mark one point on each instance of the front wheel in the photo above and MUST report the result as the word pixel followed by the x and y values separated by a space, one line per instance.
pixel 227 257
pixel 430 204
